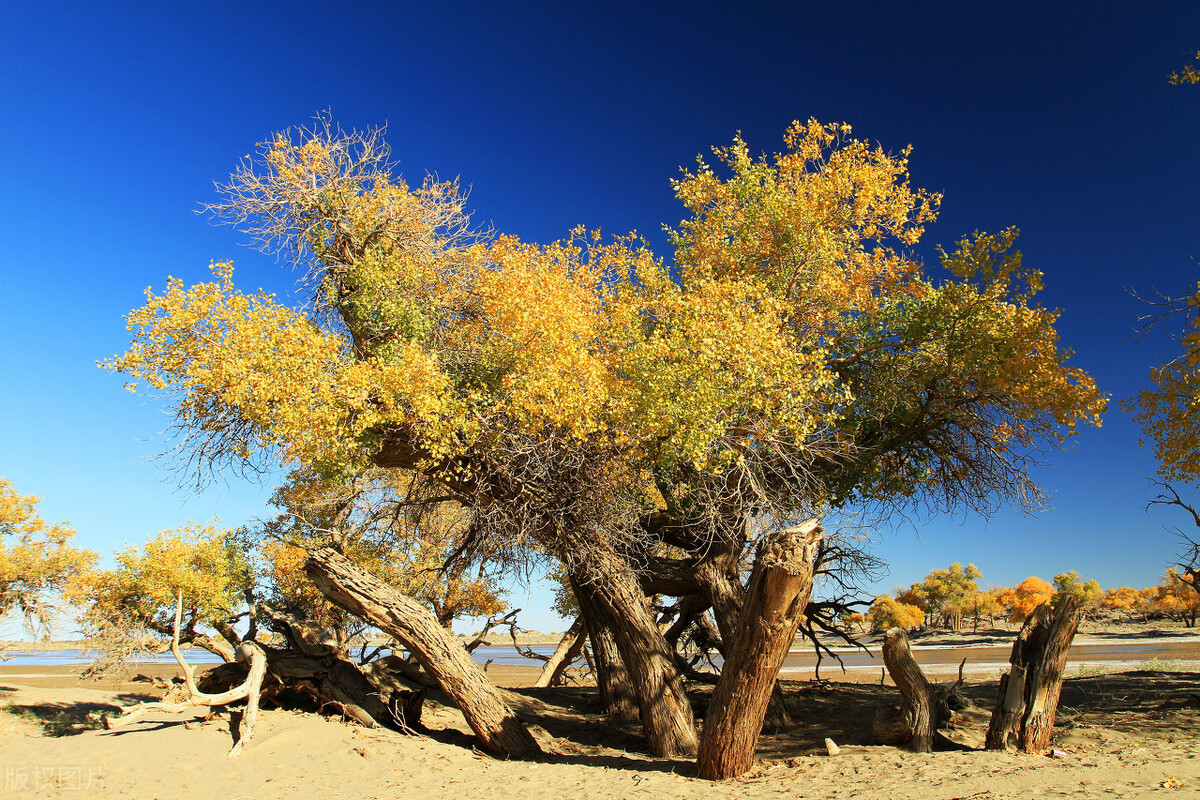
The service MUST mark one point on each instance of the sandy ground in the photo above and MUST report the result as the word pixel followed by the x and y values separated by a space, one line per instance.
pixel 1121 734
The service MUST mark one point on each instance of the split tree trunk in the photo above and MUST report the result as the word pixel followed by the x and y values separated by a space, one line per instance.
pixel 719 574
pixel 567 651
pixel 920 713
pixel 778 593
pixel 1028 697
pixel 362 594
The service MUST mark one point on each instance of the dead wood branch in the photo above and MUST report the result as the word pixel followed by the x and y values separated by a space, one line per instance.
pixel 247 653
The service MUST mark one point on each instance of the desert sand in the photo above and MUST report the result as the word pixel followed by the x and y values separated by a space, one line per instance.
pixel 1119 734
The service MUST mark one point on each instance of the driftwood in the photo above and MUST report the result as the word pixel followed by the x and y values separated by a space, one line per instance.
pixel 1028 698
pixel 249 653
pixel 776 597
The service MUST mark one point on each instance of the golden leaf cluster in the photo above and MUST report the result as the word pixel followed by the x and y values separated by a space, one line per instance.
pixel 198 560
pixel 792 315
pixel 37 559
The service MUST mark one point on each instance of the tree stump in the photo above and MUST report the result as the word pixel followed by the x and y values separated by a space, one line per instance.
pixel 922 710
pixel 778 593
pixel 1028 696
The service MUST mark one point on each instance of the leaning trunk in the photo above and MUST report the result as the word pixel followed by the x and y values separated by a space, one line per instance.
pixel 1028 697
pixel 613 684
pixel 778 593
pixel 919 715
pixel 718 574
pixel 620 606
pixel 567 651
pixel 362 594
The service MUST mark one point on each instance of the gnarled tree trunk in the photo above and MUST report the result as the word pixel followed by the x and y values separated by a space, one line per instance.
pixel 778 593
pixel 1028 697
pixel 362 594
pixel 613 684
pixel 618 604
pixel 921 711
pixel 718 574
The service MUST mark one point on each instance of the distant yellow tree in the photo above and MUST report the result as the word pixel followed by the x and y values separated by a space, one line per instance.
pixel 1069 584
pixel 1022 599
pixel 1123 599
pixel 1176 598
pixel 945 592
pixel 887 612
pixel 37 560
pixel 979 604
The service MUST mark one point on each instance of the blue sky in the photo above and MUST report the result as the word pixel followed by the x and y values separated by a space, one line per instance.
pixel 1056 118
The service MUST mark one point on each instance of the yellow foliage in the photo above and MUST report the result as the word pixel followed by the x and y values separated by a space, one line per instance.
pixel 196 560
pixel 1122 599
pixel 1186 75
pixel 887 612
pixel 36 557
pixel 1169 411
pixel 792 321
pixel 1175 597
pixel 1025 597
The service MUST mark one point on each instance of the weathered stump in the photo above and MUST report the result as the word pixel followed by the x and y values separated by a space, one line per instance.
pixel 1028 696
pixel 922 709
pixel 777 595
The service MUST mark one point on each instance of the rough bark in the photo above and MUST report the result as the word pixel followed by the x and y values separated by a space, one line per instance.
pixel 362 594
pixel 921 709
pixel 719 574
pixel 1028 696
pixel 613 684
pixel 621 606
pixel 567 651
pixel 779 590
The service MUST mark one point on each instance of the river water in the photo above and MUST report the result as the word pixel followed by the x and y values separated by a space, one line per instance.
pixel 800 663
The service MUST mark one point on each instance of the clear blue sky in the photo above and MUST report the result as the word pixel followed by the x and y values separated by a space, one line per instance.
pixel 1056 117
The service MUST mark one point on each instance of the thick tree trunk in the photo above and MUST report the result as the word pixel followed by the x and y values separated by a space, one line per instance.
pixel 362 594
pixel 778 593
pixel 718 574
pixel 620 605
pixel 921 710
pixel 567 651
pixel 1028 697
pixel 618 698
